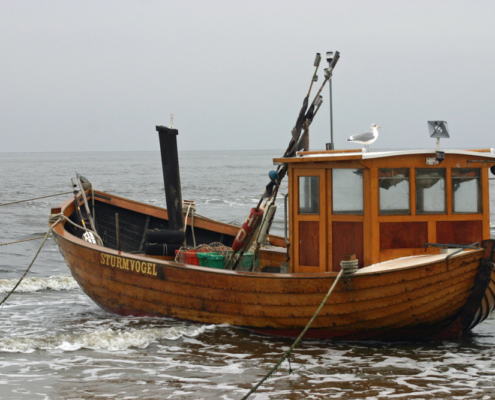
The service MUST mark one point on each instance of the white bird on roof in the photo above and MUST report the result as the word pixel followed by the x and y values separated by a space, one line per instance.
pixel 366 138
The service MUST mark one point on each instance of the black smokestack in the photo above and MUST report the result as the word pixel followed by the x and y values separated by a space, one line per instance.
pixel 171 176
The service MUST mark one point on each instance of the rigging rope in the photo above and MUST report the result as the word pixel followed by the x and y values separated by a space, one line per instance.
pixel 190 206
pixel 23 240
pixel 36 198
pixel 348 271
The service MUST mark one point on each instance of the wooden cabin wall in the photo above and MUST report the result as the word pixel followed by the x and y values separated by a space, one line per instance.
pixel 461 228
pixel 326 237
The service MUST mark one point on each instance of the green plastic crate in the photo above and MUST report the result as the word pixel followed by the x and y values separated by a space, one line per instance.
pixel 203 258
pixel 216 261
pixel 245 263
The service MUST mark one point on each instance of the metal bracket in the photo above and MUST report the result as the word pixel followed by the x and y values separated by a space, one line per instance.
pixel 285 226
pixel 480 161
pixel 461 248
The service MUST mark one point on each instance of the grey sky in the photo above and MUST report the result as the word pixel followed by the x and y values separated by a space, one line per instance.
pixel 99 75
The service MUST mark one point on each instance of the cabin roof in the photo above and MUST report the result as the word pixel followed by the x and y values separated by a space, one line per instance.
pixel 344 155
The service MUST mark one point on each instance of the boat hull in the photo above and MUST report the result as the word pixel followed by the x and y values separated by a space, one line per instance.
pixel 424 302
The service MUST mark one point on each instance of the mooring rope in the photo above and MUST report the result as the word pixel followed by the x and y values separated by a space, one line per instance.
pixel 36 198
pixel 23 240
pixel 32 262
pixel 287 353
pixel 54 219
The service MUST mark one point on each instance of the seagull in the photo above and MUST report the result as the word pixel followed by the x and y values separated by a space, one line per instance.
pixel 366 138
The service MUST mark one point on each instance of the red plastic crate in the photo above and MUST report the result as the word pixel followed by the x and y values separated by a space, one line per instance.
pixel 191 257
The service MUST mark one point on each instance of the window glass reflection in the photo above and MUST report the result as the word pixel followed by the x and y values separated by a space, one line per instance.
pixel 309 195
pixel 466 190
pixel 430 191
pixel 347 191
pixel 394 191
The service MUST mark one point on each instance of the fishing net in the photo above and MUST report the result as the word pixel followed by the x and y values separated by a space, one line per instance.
pixel 188 254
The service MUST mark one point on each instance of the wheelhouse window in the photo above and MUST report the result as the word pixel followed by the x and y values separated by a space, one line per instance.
pixel 466 190
pixel 430 191
pixel 347 191
pixel 394 191
pixel 309 195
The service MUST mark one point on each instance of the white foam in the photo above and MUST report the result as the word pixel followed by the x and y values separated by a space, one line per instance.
pixel 103 339
pixel 57 282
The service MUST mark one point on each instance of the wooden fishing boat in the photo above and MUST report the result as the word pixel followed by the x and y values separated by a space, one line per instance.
pixel 402 290
pixel 416 224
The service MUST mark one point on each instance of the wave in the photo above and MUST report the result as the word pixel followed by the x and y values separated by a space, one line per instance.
pixel 104 339
pixel 57 282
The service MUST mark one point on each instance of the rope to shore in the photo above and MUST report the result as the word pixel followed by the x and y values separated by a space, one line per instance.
pixel 23 240
pixel 54 219
pixel 36 198
pixel 32 262
pixel 287 353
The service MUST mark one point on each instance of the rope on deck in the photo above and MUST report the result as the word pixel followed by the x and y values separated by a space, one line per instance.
pixel 54 219
pixel 348 268
pixel 36 198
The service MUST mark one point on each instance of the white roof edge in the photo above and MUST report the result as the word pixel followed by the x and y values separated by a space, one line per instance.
pixel 395 153
pixel 487 154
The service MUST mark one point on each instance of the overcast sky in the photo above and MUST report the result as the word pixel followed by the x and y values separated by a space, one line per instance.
pixel 99 75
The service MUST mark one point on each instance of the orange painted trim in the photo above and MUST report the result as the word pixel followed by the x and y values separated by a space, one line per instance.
pixel 367 219
pixel 374 220
pixel 305 153
pixel 321 218
pixel 300 160
pixel 485 196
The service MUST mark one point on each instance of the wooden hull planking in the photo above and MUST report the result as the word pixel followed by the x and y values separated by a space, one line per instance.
pixel 375 306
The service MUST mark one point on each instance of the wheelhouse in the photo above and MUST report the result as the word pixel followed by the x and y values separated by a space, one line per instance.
pixel 384 205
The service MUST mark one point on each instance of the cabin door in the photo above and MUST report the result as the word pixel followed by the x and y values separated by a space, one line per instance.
pixel 309 216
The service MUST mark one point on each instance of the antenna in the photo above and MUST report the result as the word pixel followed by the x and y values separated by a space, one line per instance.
pixel 332 58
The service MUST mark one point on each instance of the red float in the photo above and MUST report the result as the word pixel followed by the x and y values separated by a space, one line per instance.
pixel 247 229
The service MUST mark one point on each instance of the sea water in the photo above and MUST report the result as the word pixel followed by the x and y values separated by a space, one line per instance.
pixel 55 343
